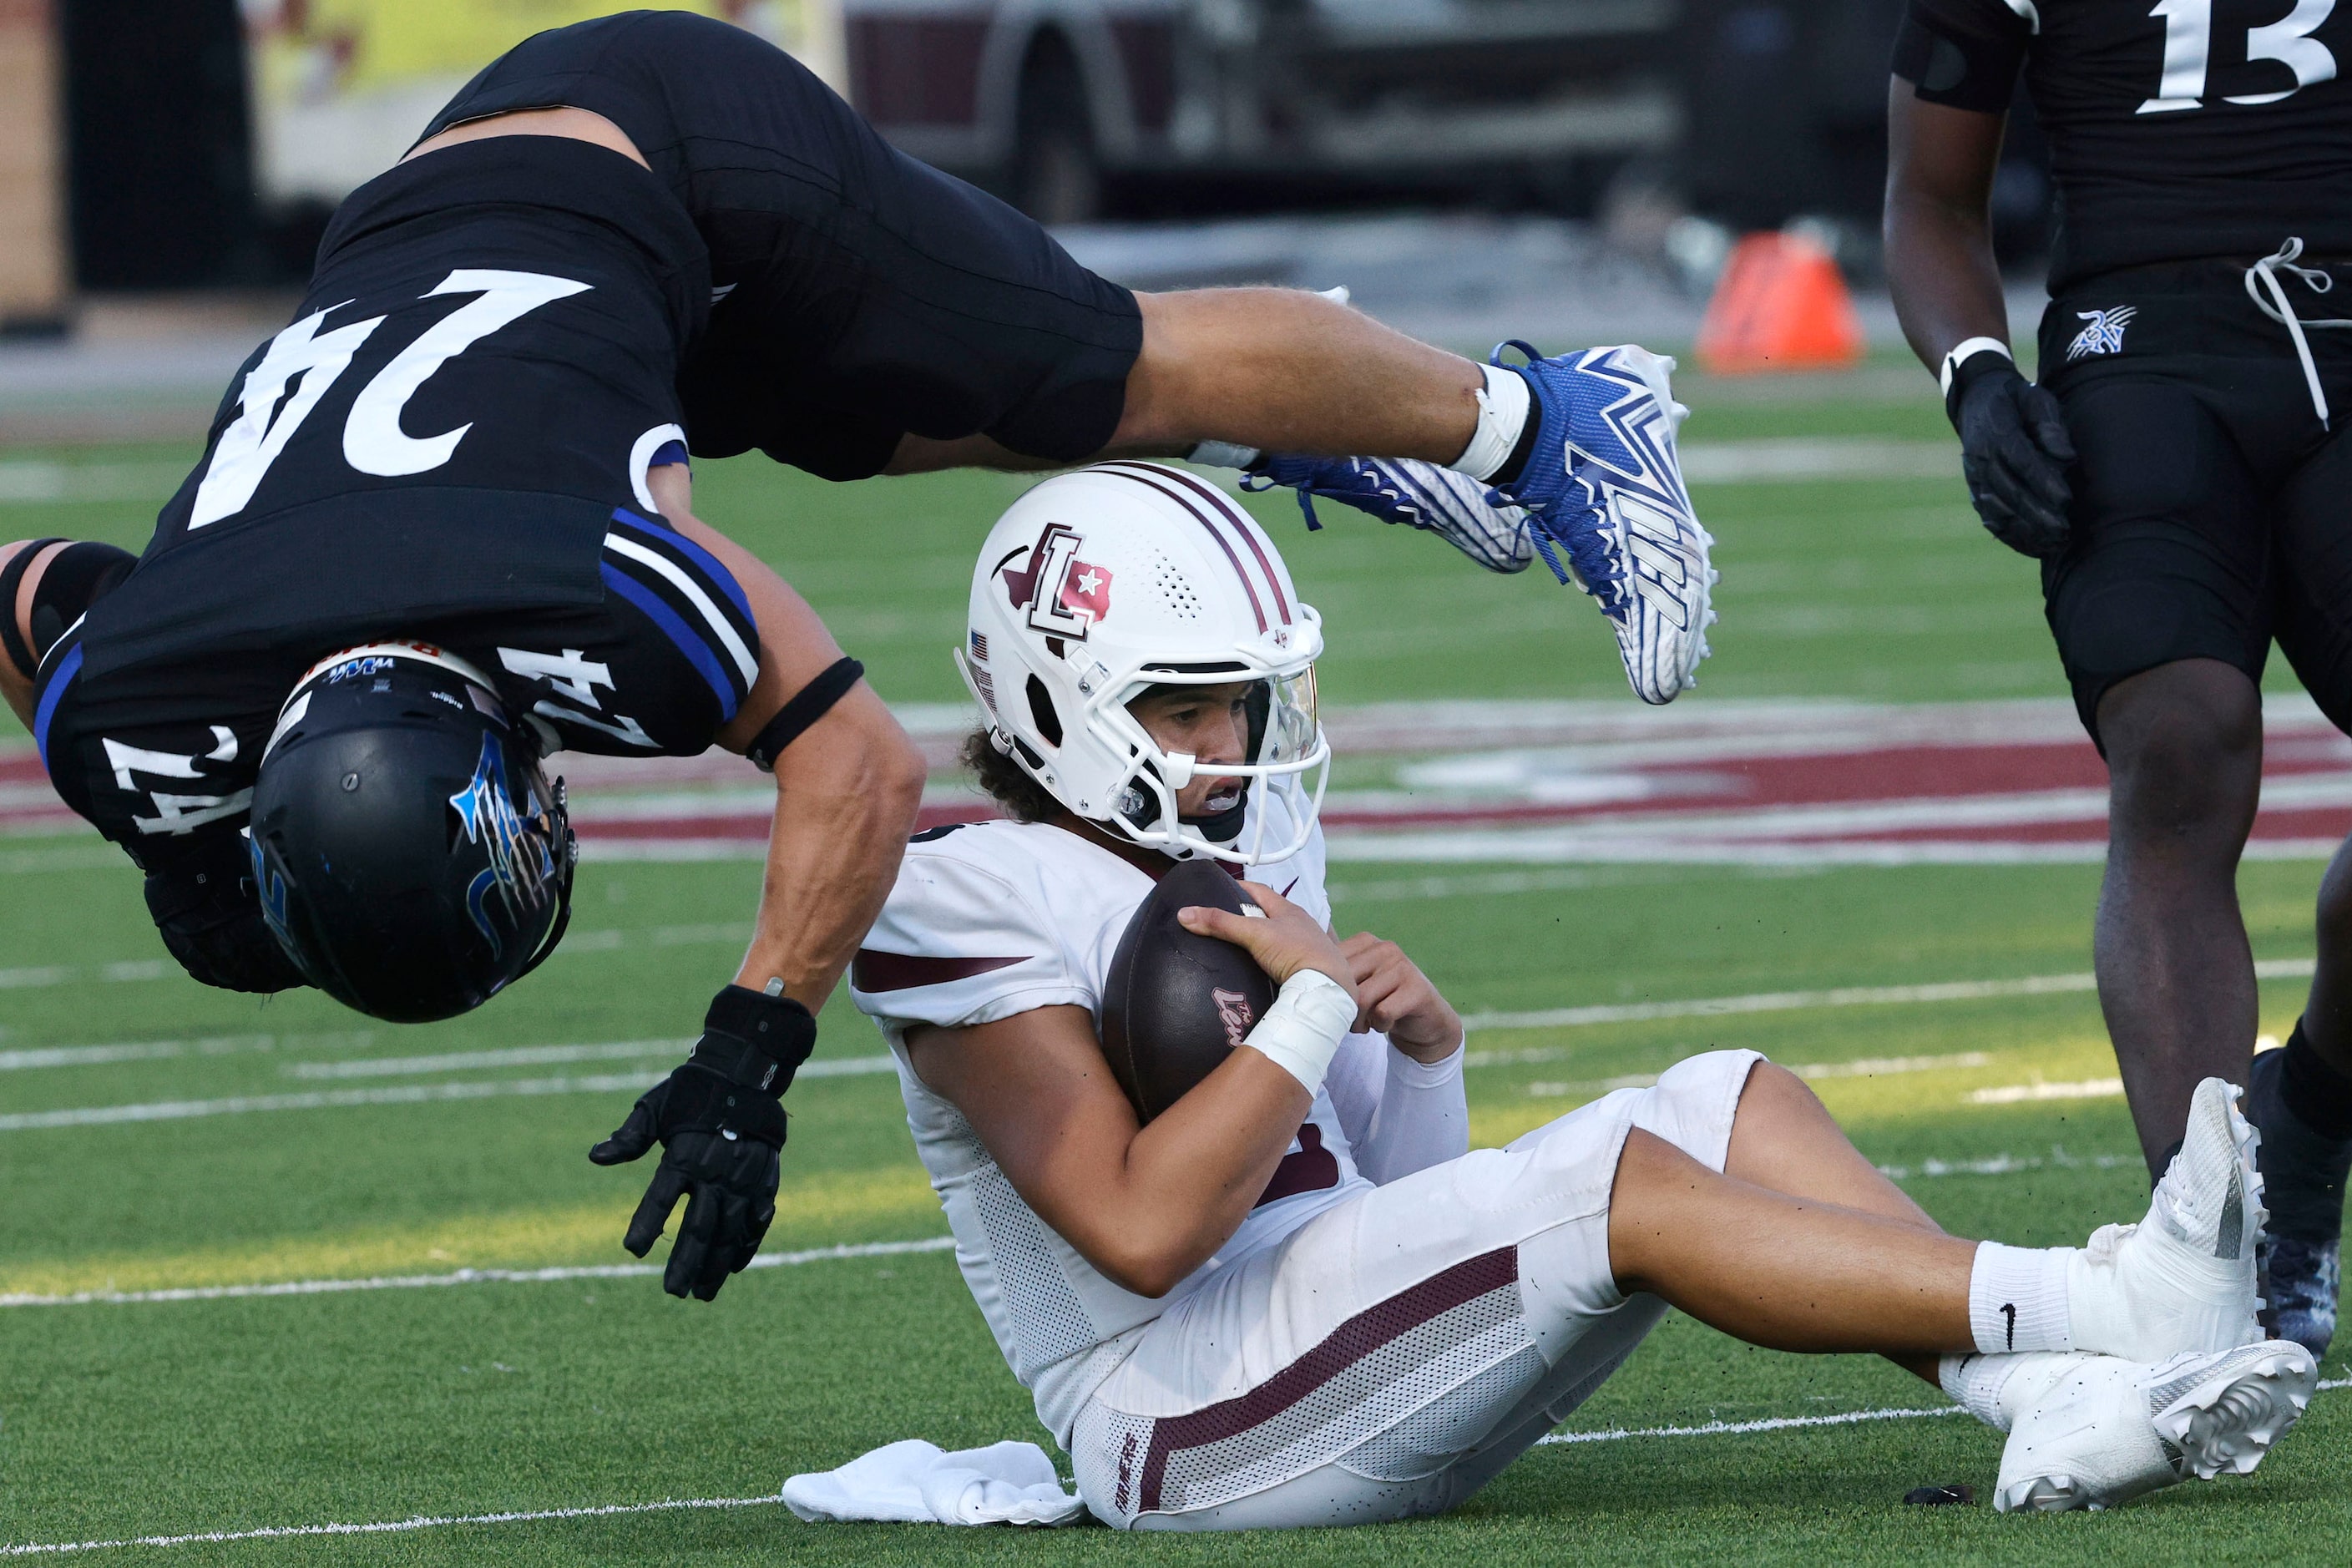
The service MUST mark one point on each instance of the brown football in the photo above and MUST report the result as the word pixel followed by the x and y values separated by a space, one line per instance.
pixel 1176 1004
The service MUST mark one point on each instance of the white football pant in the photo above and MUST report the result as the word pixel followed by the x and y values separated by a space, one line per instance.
pixel 1389 1357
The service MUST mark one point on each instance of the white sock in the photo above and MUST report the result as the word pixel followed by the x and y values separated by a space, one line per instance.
pixel 1996 1389
pixel 1223 454
pixel 1503 407
pixel 2017 1299
pixel 1974 1382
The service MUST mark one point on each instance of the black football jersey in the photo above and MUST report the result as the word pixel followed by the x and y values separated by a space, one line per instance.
pixel 477 381
pixel 2180 130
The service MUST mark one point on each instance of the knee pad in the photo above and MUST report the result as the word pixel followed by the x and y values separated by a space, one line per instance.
pixel 77 577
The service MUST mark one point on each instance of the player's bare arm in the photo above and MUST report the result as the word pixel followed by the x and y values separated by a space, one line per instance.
pixel 846 790
pixel 1947 286
pixel 1146 1204
pixel 1939 230
pixel 15 685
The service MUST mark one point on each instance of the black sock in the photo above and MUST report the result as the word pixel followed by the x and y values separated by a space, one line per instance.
pixel 2318 1096
pixel 1522 449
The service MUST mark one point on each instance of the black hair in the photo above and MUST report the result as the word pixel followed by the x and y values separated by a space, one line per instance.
pixel 1023 798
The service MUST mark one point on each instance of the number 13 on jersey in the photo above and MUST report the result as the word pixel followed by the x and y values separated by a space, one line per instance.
pixel 2189 48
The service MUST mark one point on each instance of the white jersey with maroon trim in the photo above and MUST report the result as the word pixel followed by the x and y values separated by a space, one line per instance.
pixel 996 918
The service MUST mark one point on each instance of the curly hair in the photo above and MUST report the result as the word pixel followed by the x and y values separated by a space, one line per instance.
pixel 1023 798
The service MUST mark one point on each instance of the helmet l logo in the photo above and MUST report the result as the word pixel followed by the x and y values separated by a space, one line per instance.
pixel 1065 595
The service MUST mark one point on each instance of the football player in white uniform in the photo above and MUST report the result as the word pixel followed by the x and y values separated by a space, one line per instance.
pixel 1297 1296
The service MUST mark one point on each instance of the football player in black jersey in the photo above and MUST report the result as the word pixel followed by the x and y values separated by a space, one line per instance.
pixel 2176 471
pixel 443 526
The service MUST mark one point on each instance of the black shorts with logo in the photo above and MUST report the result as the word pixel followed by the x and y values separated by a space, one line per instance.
pixel 858 294
pixel 2212 509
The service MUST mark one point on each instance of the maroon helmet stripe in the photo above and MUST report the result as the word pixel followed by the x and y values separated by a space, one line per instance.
pixel 1149 476
pixel 874 971
pixel 1234 514
pixel 1350 1342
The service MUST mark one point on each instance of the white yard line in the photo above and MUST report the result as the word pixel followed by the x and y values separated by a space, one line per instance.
pixel 458 1276
pixel 408 1093
pixel 1843 997
pixel 385 1527
pixel 466 1061
pixel 133 969
pixel 1733 1428
pixel 111 974
pixel 855 1066
pixel 678 1505
pixel 1867 1067
pixel 2031 1093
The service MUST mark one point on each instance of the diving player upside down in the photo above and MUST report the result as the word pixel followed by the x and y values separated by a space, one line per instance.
pixel 444 527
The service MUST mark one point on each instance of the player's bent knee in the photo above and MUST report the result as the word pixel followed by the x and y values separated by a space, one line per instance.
pixel 1695 1101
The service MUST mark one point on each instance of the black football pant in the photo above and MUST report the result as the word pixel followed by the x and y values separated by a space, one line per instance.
pixel 858 295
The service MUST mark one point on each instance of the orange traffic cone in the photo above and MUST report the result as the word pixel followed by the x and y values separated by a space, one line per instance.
pixel 1780 306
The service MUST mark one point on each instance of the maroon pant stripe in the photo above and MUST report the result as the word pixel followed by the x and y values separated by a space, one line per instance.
pixel 1350 1342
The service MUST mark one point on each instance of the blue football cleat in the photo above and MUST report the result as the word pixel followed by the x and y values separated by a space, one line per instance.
pixel 1603 487
pixel 1457 508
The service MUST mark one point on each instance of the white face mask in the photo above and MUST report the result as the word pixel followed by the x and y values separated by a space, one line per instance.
pixel 1290 745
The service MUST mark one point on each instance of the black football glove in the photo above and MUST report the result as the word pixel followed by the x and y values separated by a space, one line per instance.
pixel 2014 450
pixel 721 1126
pixel 210 918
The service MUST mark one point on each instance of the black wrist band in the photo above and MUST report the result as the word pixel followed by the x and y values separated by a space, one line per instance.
pixel 1969 372
pixel 756 1040
pixel 808 705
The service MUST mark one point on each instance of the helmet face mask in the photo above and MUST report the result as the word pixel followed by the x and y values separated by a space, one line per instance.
pixel 1285 744
pixel 1100 585
pixel 412 857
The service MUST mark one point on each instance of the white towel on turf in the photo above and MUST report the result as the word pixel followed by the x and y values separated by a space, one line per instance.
pixel 914 1482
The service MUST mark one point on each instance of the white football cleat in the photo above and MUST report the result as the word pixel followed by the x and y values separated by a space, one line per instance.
pixel 2108 1430
pixel 2183 1278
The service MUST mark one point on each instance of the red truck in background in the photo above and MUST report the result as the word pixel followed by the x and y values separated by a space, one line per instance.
pixel 1051 103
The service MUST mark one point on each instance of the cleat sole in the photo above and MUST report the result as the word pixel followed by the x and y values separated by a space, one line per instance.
pixel 2043 1494
pixel 2227 1425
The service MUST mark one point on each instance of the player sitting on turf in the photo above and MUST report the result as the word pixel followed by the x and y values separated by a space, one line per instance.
pixel 1295 1296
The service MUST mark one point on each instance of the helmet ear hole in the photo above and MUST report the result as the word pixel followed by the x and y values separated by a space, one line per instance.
pixel 1041 712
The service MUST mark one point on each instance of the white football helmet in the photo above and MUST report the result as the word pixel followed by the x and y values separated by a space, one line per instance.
pixel 1100 583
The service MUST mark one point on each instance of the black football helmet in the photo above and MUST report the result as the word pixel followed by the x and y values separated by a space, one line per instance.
pixel 411 856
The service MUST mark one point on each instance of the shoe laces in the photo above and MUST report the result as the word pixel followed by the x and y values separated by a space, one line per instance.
pixel 1340 479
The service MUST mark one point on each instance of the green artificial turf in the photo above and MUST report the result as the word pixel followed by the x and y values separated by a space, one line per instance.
pixel 170 1418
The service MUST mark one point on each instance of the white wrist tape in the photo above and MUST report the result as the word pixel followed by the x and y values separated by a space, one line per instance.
pixel 1503 407
pixel 1966 351
pixel 1301 1032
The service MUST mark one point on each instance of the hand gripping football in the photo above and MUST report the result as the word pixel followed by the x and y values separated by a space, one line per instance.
pixel 1176 1004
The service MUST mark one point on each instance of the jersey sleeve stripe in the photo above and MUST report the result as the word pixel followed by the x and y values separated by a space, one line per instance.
pixel 69 667
pixel 874 971
pixel 729 638
pixel 698 652
pixel 711 566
